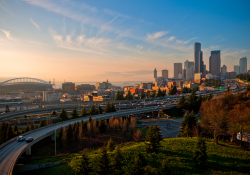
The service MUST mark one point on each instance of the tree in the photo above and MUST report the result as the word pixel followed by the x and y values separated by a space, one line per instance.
pixel 186 132
pixel 107 108
pixel 148 94
pixel 248 87
pixel 103 164
pixel 200 153
pixel 159 92
pixel 9 133
pixel 7 109
pixel 83 168
pixel 214 119
pixel 16 130
pixel 189 121
pixel 139 164
pixel 42 123
pixel 137 135
pixel 100 109
pixel 142 94
pixel 63 115
pixel 153 93
pixel 92 110
pixel 110 145
pixel 182 102
pixel 32 127
pixel 84 111
pixel 129 96
pixel 118 162
pixel 153 139
pixel 69 134
pixel 112 109
pixel 27 128
pixel 74 113
pixel 118 96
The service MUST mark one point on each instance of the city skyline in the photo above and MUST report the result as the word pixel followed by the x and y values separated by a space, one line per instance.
pixel 93 41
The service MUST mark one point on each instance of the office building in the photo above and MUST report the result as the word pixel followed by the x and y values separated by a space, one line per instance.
pixel 190 73
pixel 103 85
pixel 243 65
pixel 215 63
pixel 224 72
pixel 155 73
pixel 187 65
pixel 68 87
pixel 177 69
pixel 231 75
pixel 197 76
pixel 165 74
pixel 204 71
pixel 198 58
pixel 237 69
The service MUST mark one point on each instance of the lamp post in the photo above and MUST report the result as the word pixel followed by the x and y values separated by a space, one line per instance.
pixel 55 141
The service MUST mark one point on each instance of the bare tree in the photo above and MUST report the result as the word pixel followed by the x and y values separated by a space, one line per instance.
pixel 137 135
pixel 214 120
pixel 95 128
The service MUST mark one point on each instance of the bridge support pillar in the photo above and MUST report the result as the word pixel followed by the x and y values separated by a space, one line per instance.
pixel 28 151
pixel 53 137
pixel 18 120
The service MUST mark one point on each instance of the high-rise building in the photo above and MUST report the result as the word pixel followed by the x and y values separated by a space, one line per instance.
pixel 215 62
pixel 237 69
pixel 243 65
pixel 224 72
pixel 190 73
pixel 187 65
pixel 232 75
pixel 155 73
pixel 198 58
pixel 165 74
pixel 204 71
pixel 177 69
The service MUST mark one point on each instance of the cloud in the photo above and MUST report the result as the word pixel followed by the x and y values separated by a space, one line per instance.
pixel 7 34
pixel 35 24
pixel 156 35
pixel 185 42
pixel 138 48
pixel 80 43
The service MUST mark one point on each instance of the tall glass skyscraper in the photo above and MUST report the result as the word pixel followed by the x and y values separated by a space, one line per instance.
pixel 215 62
pixel 198 58
pixel 243 65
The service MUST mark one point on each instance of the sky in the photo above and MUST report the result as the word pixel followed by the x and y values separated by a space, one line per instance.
pixel 87 41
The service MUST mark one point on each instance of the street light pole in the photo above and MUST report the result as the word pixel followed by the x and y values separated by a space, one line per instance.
pixel 55 141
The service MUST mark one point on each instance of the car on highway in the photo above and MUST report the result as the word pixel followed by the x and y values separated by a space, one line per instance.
pixel 20 138
pixel 29 139
pixel 144 124
pixel 37 117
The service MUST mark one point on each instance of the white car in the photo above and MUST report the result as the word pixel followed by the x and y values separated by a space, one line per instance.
pixel 20 138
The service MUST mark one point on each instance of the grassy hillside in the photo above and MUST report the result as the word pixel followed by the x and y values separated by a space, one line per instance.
pixel 222 159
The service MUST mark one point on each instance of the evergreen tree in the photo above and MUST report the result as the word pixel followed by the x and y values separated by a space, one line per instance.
pixel 200 153
pixel 142 94
pixel 60 135
pixel 148 94
pixel 129 96
pixel 9 133
pixel 100 109
pixel 16 130
pixel 153 93
pixel 186 132
pixel 92 110
pixel 42 123
pixel 63 115
pixel 159 92
pixel 32 127
pixel 84 111
pixel 90 118
pixel 74 113
pixel 112 109
pixel 139 164
pixel 104 164
pixel 153 139
pixel 107 108
pixel 110 145
pixel 118 162
pixel 187 124
pixel 69 134
pixel 182 102
pixel 83 168
pixel 27 128
pixel 7 109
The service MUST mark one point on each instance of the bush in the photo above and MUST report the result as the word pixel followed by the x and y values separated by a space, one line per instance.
pixel 110 145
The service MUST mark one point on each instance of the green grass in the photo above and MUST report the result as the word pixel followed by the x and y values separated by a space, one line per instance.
pixel 224 158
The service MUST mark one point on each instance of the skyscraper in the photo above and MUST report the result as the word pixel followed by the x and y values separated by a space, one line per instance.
pixel 165 74
pixel 177 69
pixel 237 69
pixel 187 75
pixel 204 71
pixel 215 62
pixel 155 73
pixel 243 65
pixel 224 72
pixel 198 58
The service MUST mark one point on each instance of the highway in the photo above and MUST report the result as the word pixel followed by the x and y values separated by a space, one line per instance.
pixel 11 150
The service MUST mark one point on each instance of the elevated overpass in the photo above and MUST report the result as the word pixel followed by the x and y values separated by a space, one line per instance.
pixel 11 150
